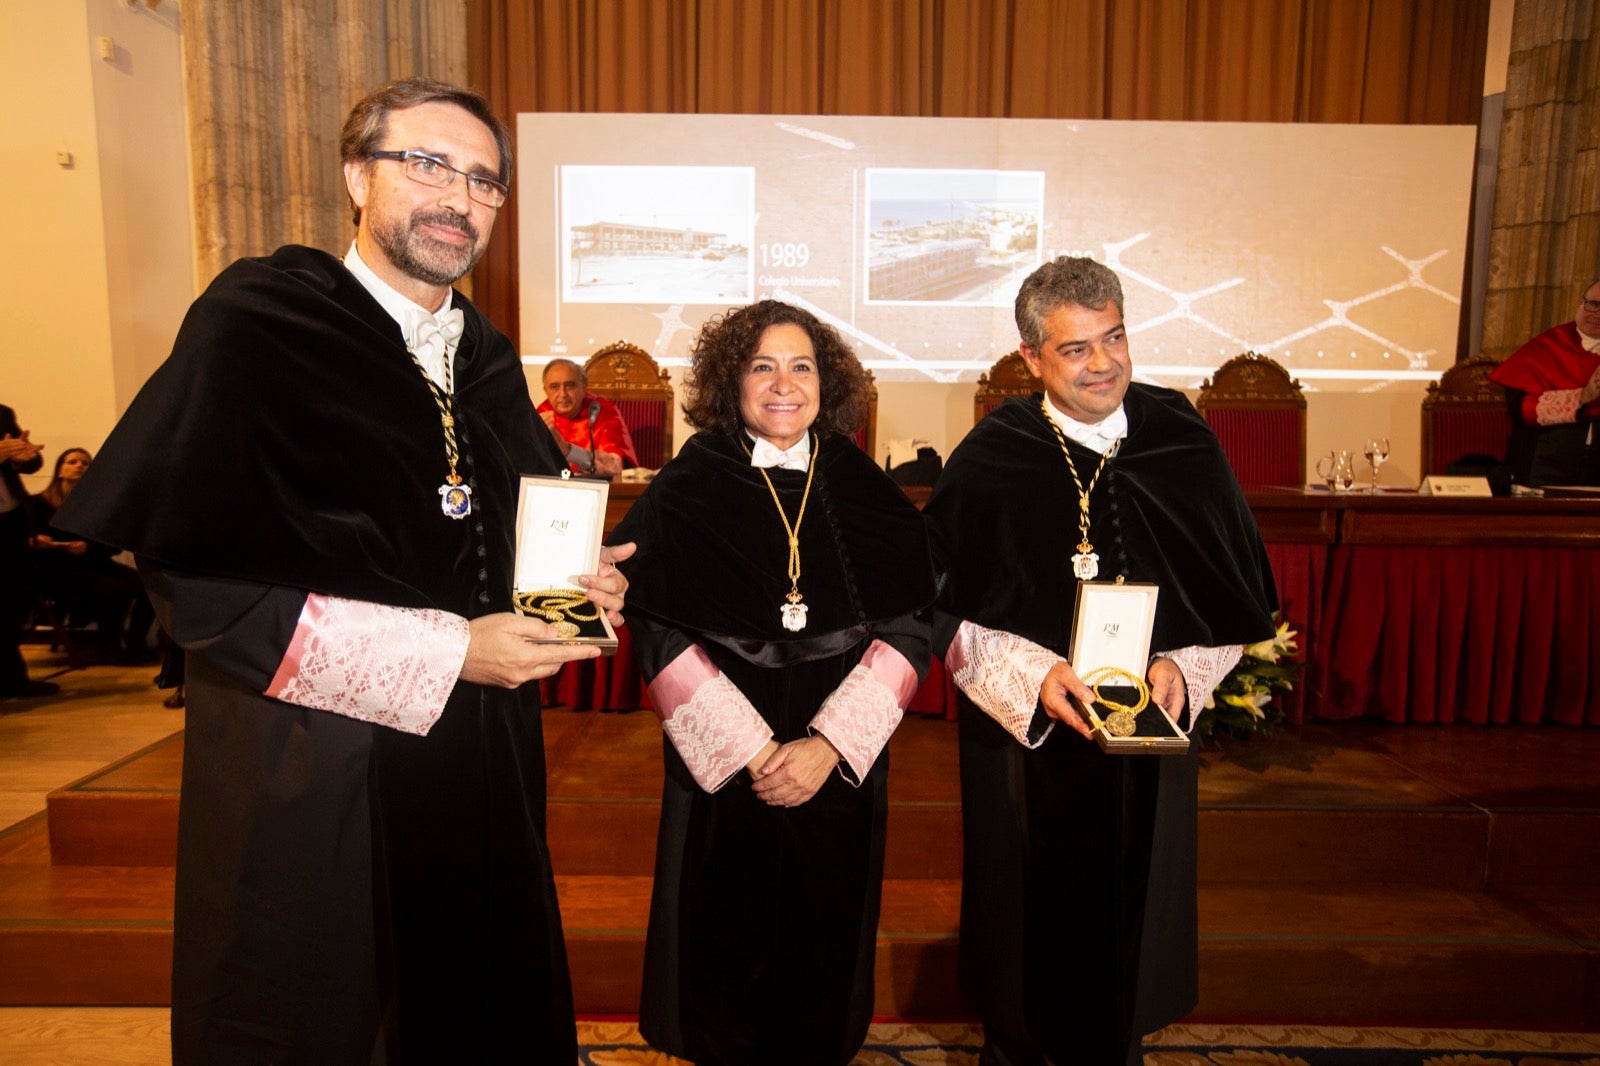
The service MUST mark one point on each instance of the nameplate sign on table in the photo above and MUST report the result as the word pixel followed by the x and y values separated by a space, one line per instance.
pixel 1440 485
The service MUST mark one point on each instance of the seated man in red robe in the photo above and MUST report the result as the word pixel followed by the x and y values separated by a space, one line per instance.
pixel 1552 384
pixel 588 426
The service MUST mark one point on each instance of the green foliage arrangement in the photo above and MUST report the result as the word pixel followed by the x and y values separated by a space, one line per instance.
pixel 1242 705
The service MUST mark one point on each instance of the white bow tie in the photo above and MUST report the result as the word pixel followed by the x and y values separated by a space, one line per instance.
pixel 765 453
pixel 432 335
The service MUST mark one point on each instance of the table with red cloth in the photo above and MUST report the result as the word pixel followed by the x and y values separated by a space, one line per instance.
pixel 1462 610
pixel 1409 608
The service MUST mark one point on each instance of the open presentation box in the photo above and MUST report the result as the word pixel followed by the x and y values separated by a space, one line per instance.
pixel 560 522
pixel 1111 629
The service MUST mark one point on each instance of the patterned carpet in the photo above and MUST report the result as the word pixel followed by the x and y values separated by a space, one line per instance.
pixel 617 1043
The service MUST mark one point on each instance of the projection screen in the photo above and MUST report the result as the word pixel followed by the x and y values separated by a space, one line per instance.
pixel 1337 250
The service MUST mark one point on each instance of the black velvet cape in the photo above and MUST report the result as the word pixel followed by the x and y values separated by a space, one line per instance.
pixel 345 892
pixel 1079 929
pixel 763 921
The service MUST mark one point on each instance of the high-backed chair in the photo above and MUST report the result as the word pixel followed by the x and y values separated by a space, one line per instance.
pixel 626 375
pixel 866 437
pixel 1259 414
pixel 1464 413
pixel 1008 377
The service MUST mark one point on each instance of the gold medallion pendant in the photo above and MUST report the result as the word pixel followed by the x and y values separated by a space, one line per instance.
pixel 1121 724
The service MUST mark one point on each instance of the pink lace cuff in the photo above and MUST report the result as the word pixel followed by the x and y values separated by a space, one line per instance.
pixel 391 666
pixel 1001 673
pixel 712 725
pixel 859 716
pixel 1203 670
pixel 1557 406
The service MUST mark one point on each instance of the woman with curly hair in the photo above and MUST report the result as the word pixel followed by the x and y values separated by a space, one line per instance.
pixel 772 602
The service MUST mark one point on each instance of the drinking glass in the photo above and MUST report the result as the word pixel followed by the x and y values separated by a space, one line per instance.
pixel 1377 452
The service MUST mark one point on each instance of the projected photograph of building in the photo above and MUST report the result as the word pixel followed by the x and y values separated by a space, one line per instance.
pixel 951 236
pixel 613 238
pixel 654 234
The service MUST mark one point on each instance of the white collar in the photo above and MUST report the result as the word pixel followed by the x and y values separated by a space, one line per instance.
pixel 1590 344
pixel 1098 437
pixel 392 300
pixel 406 312
pixel 764 453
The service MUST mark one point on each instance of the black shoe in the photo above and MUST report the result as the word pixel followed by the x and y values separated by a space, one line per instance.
pixel 32 688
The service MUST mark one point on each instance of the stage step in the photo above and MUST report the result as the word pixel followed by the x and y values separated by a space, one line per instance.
pixel 80 935
pixel 1391 955
pixel 1350 873
pixel 1356 813
pixel 125 814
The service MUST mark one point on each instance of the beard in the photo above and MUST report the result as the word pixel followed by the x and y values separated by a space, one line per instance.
pixel 420 256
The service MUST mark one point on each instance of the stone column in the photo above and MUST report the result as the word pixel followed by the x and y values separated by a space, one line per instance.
pixel 1545 241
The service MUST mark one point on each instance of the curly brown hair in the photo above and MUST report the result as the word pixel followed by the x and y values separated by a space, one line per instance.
pixel 722 352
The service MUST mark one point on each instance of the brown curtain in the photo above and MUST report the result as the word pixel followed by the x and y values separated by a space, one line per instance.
pixel 1388 61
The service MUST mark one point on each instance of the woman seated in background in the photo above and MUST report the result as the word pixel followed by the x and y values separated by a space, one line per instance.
pixel 80 578
pixel 772 602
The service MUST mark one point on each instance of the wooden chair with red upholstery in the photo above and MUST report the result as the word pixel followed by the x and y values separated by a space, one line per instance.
pixel 1464 413
pixel 866 437
pixel 1008 377
pixel 626 375
pixel 1259 414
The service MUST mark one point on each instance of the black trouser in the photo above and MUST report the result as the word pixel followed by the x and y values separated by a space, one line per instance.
pixel 13 598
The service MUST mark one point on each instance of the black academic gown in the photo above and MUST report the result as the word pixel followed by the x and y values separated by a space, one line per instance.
pixel 1078 913
pixel 346 893
pixel 764 920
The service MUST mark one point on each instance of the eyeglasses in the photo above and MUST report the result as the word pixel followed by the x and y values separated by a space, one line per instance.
pixel 1591 306
pixel 433 171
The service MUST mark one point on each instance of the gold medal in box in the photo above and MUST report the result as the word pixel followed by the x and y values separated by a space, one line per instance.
pixel 560 522
pixel 1111 652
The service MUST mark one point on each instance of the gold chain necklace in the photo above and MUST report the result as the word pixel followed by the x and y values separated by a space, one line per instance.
pixel 1085 564
pixel 1124 717
pixel 455 496
pixel 559 607
pixel 792 612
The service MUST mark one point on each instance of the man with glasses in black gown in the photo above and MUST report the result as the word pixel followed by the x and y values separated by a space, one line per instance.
pixel 320 484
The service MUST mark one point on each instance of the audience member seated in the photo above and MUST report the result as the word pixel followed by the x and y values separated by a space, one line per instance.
pixel 81 578
pixel 588 426
pixel 18 455
pixel 1552 388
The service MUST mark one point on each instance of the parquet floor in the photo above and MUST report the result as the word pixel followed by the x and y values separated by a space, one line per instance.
pixel 103 714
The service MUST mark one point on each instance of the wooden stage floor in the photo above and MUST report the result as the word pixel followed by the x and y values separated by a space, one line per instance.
pixel 1351 873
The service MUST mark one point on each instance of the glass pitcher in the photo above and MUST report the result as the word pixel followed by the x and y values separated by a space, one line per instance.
pixel 1338 469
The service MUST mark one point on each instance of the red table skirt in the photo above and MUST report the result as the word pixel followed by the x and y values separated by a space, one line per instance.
pixel 1481 635
pixel 1300 573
